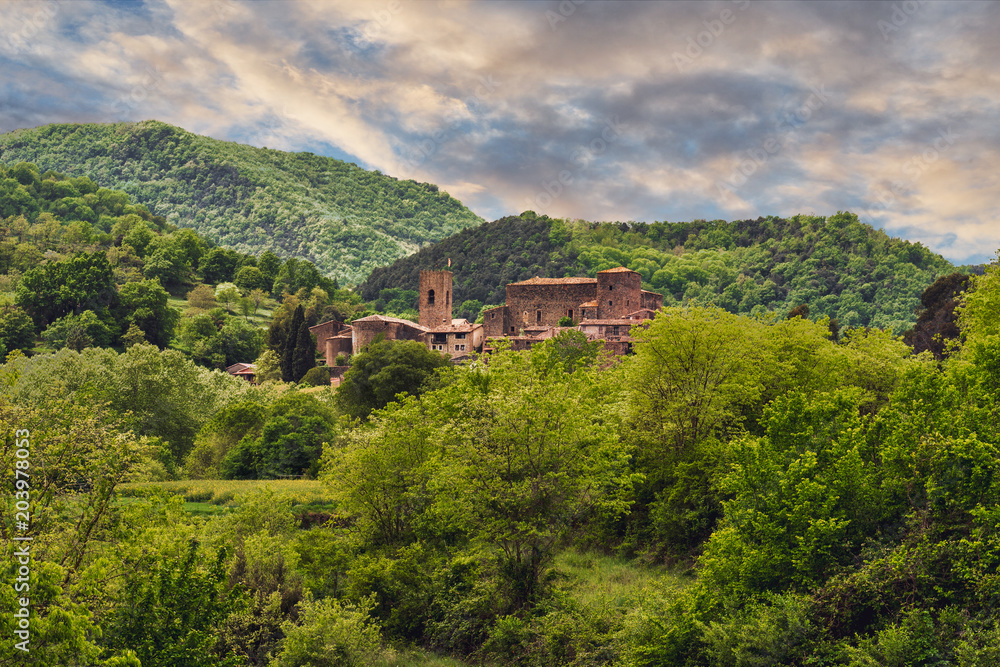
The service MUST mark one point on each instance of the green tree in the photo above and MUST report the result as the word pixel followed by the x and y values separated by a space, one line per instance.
pixel 304 354
pixel 17 331
pixel 227 293
pixel 145 304
pixel 77 332
pixel 250 278
pixel 287 345
pixel 85 282
pixel 384 369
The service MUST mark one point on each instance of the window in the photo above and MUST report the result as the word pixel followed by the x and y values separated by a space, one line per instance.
pixel 430 297
pixel 614 330
pixel 460 336
pixel 609 303
pixel 610 287
pixel 538 317
pixel 447 297
pixel 492 315
pixel 569 313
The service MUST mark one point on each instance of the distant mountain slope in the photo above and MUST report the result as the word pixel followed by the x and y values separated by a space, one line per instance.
pixel 343 218
pixel 838 266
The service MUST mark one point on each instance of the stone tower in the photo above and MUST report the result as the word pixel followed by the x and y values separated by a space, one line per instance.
pixel 619 292
pixel 435 298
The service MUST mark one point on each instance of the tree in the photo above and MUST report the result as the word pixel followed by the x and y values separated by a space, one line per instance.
pixel 227 293
pixel 250 278
pixel 287 345
pixel 145 304
pixel 383 369
pixel 937 323
pixel 17 331
pixel 693 370
pixel 85 282
pixel 268 366
pixel 304 354
pixel 218 265
pixel 77 332
pixel 202 297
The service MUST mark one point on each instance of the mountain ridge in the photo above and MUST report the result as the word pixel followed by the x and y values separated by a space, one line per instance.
pixel 345 219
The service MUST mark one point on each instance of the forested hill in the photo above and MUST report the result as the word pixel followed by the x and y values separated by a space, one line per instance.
pixel 344 219
pixel 836 265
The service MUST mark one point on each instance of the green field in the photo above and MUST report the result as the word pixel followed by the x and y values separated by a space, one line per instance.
pixel 214 495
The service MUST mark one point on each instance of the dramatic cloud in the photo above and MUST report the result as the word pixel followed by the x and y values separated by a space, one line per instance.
pixel 610 111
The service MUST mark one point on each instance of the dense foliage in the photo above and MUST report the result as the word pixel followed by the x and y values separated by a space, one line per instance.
pixel 838 266
pixel 342 218
pixel 775 497
pixel 82 267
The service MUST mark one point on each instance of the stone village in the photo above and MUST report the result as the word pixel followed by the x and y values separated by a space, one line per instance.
pixel 603 308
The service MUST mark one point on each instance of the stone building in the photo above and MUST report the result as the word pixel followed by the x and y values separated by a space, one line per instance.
pixel 437 329
pixel 544 302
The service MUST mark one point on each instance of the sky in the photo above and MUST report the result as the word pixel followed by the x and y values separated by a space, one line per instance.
pixel 617 111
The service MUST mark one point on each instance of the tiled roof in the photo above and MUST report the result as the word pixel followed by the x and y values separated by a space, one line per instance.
pixel 556 281
pixel 386 318
pixel 617 269
pixel 589 304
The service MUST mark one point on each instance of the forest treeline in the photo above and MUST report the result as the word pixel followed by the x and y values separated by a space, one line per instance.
pixel 790 498
pixel 340 217
pixel 84 266
pixel 838 266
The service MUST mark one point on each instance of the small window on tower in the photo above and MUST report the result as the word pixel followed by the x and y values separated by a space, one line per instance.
pixel 430 297
pixel 609 303
pixel 610 287
pixel 447 298
pixel 538 316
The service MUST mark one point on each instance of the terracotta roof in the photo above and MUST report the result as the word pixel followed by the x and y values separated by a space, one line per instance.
pixel 239 367
pixel 386 318
pixel 556 281
pixel 642 314
pixel 617 269
pixel 589 304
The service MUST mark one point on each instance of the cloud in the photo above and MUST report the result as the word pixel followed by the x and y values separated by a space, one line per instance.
pixel 624 110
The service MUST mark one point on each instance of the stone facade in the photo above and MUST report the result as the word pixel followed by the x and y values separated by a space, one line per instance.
pixel 604 307
pixel 435 298
pixel 324 331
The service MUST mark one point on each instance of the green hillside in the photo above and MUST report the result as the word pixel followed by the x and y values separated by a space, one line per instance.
pixel 836 265
pixel 344 219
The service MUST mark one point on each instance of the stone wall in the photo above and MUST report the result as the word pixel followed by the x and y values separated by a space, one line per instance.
pixel 435 298
pixel 496 322
pixel 618 294
pixel 652 300
pixel 545 305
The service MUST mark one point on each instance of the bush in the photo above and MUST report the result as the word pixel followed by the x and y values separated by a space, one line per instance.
pixel 332 635
pixel 317 376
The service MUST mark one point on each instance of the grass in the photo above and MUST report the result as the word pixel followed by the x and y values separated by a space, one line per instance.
pixel 202 494
pixel 599 582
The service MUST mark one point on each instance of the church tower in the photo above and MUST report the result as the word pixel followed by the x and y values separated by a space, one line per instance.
pixel 435 298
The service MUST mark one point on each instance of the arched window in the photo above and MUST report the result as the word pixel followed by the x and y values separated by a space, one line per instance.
pixel 430 297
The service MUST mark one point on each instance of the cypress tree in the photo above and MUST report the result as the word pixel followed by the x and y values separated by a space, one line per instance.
pixel 288 345
pixel 304 356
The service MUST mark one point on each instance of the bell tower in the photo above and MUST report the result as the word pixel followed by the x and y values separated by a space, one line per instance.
pixel 435 298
